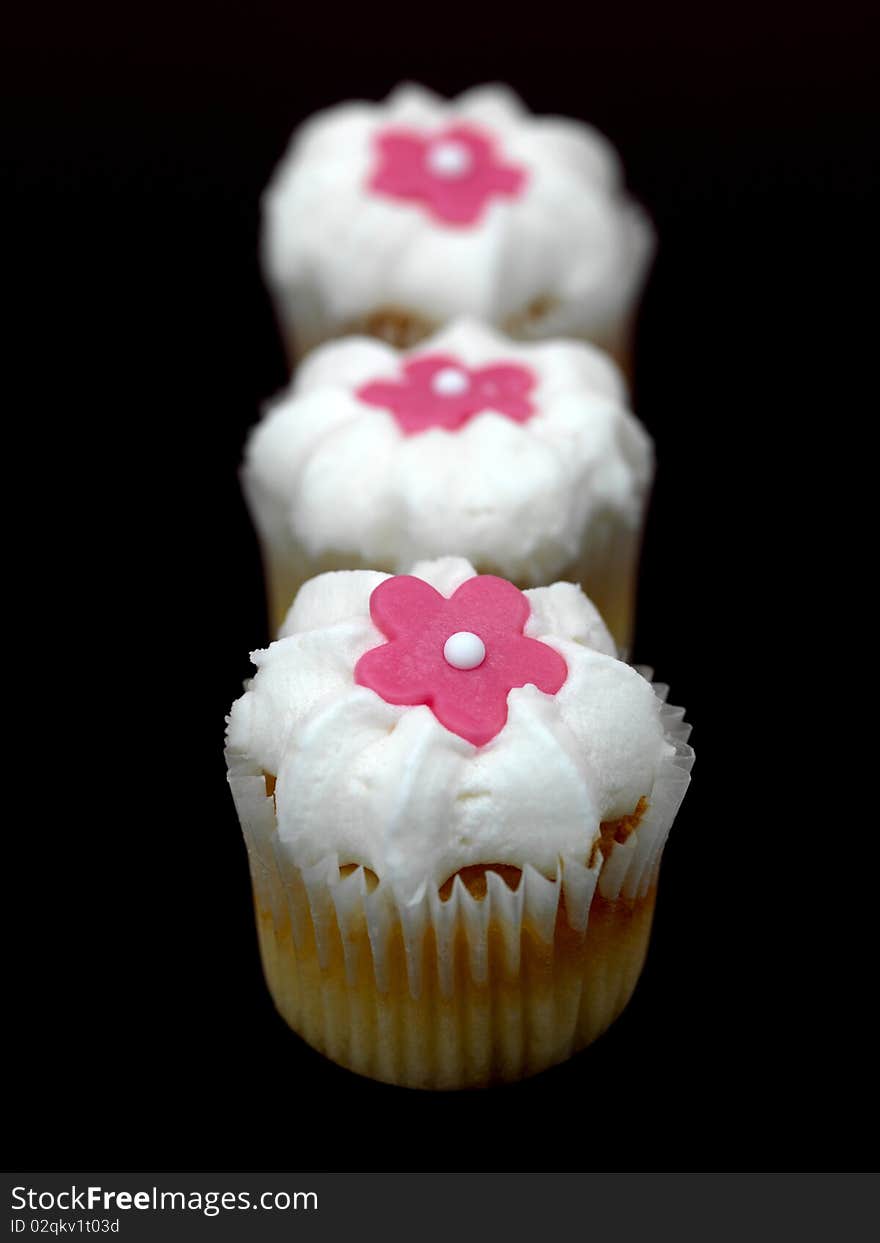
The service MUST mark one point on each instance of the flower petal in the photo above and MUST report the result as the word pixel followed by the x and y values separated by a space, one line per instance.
pixel 505 180
pixel 382 393
pixel 403 604
pixel 390 671
pixel 489 604
pixel 505 379
pixel 503 387
pixel 478 715
pixel 400 170
pixel 458 204
pixel 529 661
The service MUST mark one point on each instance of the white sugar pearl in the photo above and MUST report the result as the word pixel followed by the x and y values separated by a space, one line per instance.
pixel 464 650
pixel 450 382
pixel 448 159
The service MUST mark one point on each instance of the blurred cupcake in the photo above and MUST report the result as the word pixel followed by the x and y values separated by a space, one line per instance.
pixel 455 799
pixel 391 219
pixel 523 458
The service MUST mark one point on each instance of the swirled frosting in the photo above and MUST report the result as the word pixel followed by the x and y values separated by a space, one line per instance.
pixel 388 786
pixel 363 213
pixel 355 458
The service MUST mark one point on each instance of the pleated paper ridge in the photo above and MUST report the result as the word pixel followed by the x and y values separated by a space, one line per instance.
pixel 339 905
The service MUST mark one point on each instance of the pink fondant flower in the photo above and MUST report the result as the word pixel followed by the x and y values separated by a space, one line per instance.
pixel 436 390
pixel 460 656
pixel 452 173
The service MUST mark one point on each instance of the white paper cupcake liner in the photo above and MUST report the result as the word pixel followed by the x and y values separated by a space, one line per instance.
pixel 329 979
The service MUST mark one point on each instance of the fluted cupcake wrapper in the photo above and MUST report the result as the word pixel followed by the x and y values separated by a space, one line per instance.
pixel 418 990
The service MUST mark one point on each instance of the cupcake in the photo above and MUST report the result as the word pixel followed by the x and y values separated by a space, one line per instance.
pixel 393 218
pixel 521 457
pixel 455 798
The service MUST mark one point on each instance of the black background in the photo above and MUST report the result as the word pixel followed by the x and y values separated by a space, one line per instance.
pixel 139 139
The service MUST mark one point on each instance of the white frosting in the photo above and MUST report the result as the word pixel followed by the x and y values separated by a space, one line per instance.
pixel 334 251
pixel 390 788
pixel 332 475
